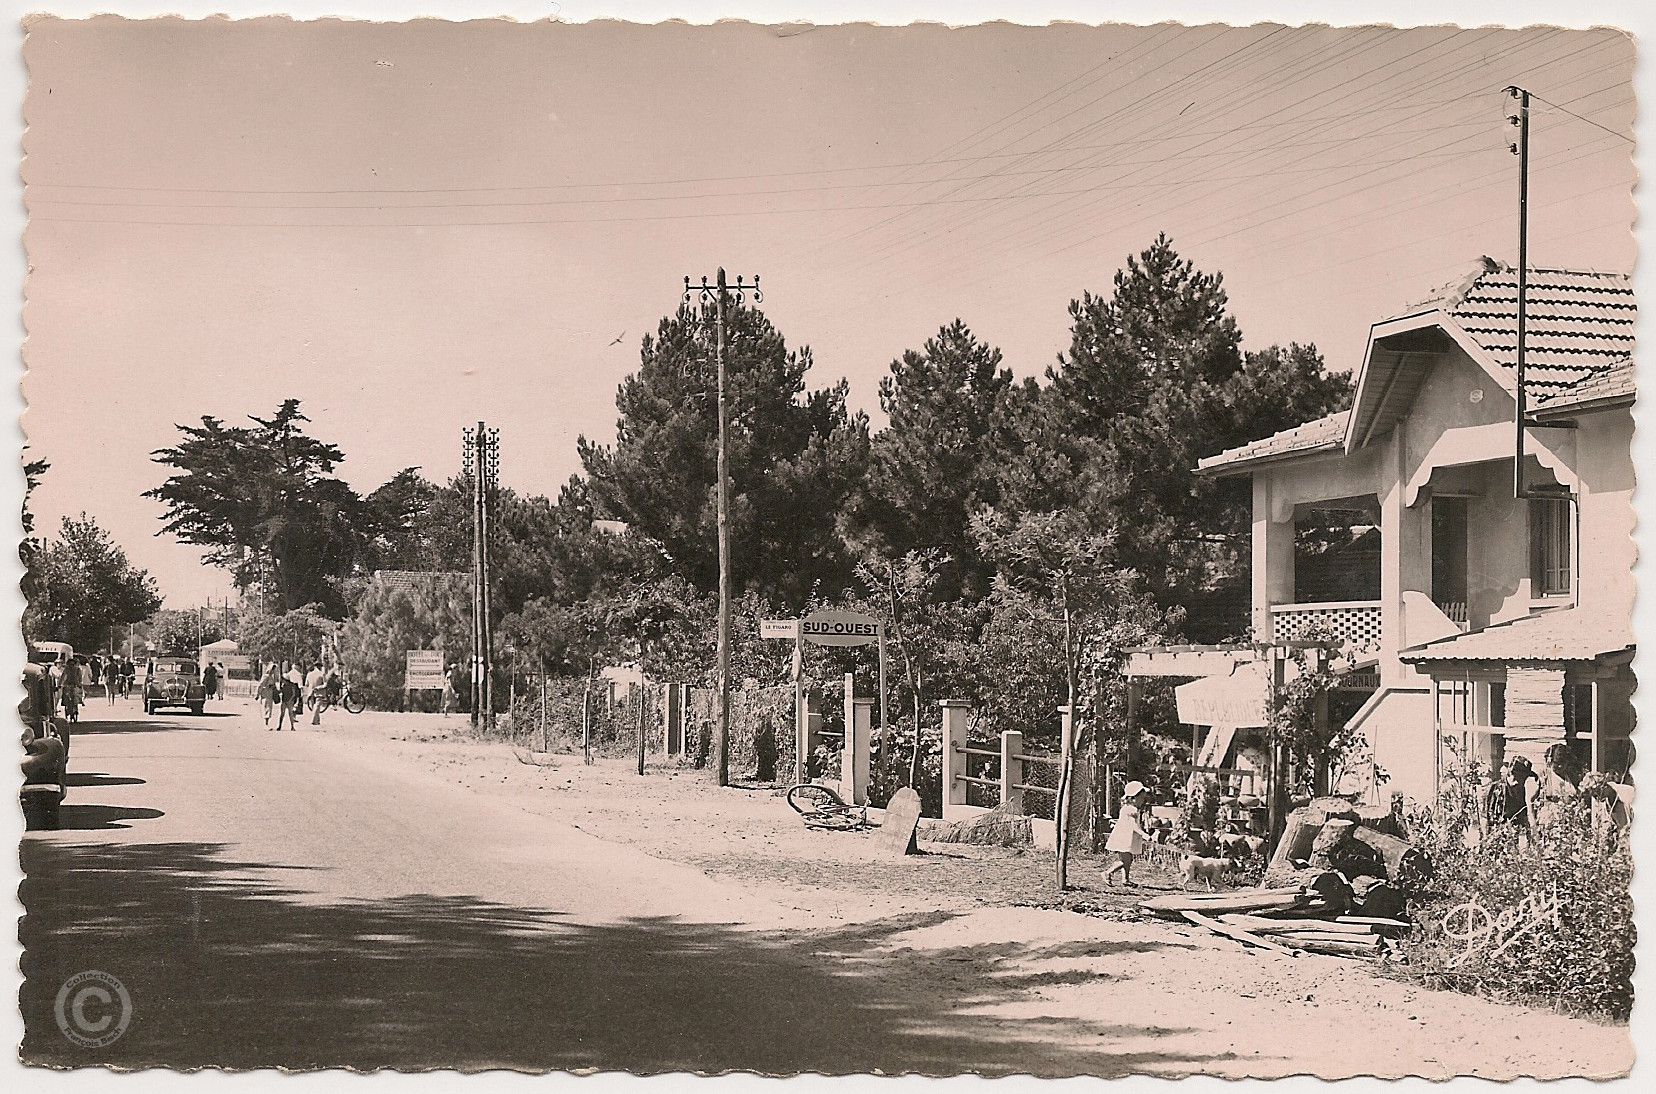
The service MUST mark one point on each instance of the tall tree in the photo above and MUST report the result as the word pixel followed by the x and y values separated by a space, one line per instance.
pixel 265 503
pixel 1154 379
pixel 81 585
pixel 795 457
pixel 936 461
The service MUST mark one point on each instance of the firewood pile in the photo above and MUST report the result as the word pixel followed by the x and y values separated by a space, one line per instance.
pixel 1337 884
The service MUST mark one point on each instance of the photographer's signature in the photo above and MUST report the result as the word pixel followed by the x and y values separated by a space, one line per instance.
pixel 1481 929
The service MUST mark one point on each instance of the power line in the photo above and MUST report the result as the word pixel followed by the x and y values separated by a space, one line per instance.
pixel 1582 117
pixel 1295 200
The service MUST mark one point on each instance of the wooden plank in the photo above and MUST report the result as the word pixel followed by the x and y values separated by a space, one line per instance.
pixel 1371 921
pixel 1264 925
pixel 1236 932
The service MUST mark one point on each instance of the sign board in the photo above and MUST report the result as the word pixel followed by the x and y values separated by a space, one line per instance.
pixel 1238 700
pixel 424 670
pixel 779 628
pixel 840 629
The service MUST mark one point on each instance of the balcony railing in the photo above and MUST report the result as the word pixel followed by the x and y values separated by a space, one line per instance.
pixel 1354 621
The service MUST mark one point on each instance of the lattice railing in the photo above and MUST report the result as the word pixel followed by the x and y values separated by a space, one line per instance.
pixel 1356 621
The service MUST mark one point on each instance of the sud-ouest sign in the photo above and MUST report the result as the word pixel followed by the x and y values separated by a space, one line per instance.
pixel 839 629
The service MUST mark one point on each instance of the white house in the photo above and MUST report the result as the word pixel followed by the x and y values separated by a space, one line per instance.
pixel 1492 623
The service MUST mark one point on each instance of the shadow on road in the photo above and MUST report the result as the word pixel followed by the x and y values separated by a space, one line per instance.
pixel 155 724
pixel 99 818
pixel 229 970
pixel 99 778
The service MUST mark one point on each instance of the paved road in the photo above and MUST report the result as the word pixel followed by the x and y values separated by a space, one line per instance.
pixel 295 899
pixel 309 900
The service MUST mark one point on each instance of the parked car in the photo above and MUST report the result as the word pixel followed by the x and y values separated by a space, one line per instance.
pixel 174 682
pixel 45 751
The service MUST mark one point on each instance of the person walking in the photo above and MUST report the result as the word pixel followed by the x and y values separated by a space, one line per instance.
pixel 1126 840
pixel 112 677
pixel 452 688
pixel 270 685
pixel 291 686
pixel 313 691
pixel 73 674
pixel 209 680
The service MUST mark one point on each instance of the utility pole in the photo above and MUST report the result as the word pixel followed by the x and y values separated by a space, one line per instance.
pixel 482 465
pixel 717 295
pixel 1521 150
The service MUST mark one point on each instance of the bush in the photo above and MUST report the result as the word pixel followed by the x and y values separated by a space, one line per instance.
pixel 1580 961
pixel 887 778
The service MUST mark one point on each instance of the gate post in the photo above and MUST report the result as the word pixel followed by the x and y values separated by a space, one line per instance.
pixel 956 713
pixel 1011 770
pixel 859 726
pixel 672 719
pixel 809 728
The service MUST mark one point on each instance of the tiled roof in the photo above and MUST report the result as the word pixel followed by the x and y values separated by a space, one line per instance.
pixel 1326 432
pixel 1613 384
pixel 1563 634
pixel 1577 323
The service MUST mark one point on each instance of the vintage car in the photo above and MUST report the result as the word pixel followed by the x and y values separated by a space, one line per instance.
pixel 174 682
pixel 45 751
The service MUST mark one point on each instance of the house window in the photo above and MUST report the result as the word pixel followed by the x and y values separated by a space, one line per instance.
pixel 1550 563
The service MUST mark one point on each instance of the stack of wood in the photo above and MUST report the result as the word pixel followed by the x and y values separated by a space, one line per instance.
pixel 1290 919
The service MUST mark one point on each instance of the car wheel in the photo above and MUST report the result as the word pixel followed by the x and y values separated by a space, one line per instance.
pixel 197 708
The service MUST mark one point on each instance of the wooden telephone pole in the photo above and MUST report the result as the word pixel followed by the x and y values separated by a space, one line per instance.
pixel 717 296
pixel 482 466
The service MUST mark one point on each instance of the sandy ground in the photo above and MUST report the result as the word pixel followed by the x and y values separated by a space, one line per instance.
pixel 380 892
pixel 1242 1011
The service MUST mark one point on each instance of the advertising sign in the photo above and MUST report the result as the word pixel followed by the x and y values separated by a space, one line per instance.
pixel 779 628
pixel 1236 701
pixel 424 670
pixel 840 629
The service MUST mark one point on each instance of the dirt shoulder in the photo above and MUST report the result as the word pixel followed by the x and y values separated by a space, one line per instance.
pixel 977 923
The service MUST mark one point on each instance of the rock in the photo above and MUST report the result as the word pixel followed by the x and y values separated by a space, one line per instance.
pixel 996 828
pixel 902 816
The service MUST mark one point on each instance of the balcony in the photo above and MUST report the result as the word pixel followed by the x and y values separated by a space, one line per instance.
pixel 1354 621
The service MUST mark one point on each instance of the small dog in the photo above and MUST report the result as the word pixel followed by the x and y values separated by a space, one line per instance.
pixel 1207 869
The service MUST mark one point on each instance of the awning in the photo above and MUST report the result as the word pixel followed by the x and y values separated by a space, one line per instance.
pixel 1239 700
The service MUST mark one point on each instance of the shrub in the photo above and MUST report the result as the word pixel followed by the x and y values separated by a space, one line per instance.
pixel 1579 959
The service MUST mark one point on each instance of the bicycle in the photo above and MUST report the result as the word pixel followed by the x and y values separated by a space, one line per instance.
pixel 820 807
pixel 339 694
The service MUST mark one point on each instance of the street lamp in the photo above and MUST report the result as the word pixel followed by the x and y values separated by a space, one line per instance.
pixel 716 295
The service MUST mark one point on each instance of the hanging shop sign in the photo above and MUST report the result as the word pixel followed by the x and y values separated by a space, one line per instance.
pixel 840 629
pixel 1237 700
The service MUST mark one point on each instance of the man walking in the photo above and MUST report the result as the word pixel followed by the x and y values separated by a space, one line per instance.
pixel 313 691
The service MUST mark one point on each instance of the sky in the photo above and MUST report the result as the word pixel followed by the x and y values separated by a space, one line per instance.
pixel 412 227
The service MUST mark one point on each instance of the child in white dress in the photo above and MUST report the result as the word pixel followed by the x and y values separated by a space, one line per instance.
pixel 1126 840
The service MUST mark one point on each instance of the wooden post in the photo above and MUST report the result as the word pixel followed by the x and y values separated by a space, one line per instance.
pixel 956 713
pixel 641 694
pixel 802 719
pixel 1011 770
pixel 885 726
pixel 544 743
pixel 1066 789
pixel 1278 790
